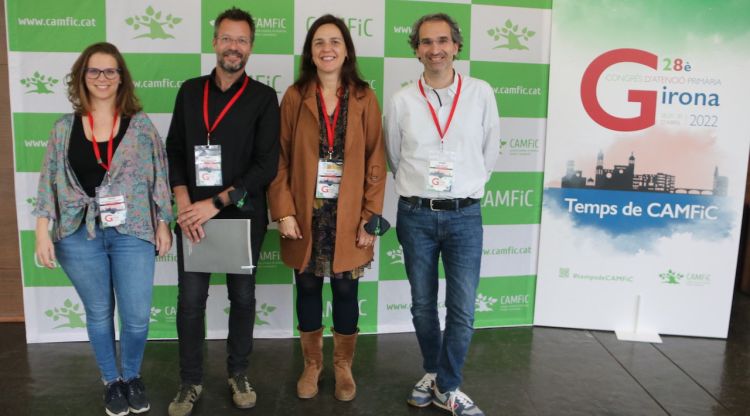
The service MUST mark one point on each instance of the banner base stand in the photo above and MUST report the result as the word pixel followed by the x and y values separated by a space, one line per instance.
pixel 636 334
pixel 651 337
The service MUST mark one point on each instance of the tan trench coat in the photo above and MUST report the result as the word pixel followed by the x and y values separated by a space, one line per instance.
pixel 362 184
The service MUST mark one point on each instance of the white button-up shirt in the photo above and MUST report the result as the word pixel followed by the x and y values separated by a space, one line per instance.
pixel 473 137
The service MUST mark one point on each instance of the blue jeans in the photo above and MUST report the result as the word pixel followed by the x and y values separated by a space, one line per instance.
pixel 456 235
pixel 112 266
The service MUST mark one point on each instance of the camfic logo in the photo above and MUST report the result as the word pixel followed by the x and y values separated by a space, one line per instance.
pixel 483 303
pixel 153 21
pixel 671 277
pixel 646 98
pixel 362 27
pixel 510 33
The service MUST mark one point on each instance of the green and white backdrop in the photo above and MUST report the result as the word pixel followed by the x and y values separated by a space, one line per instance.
pixel 168 41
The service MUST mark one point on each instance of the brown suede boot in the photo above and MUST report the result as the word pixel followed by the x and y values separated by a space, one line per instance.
pixel 312 351
pixel 343 355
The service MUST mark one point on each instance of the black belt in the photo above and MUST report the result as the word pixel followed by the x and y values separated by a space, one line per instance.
pixel 439 204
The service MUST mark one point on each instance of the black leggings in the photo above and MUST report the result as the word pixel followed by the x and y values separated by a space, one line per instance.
pixel 310 303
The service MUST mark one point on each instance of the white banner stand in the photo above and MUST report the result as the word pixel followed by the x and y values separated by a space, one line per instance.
pixel 637 334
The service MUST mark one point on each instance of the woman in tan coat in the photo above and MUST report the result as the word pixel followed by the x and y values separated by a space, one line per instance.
pixel 330 182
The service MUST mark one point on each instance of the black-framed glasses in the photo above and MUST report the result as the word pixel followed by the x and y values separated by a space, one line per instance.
pixel 109 73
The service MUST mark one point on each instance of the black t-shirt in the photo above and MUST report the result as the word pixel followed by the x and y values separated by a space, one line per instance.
pixel 81 155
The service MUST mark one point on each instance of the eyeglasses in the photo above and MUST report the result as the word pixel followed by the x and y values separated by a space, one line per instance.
pixel 228 40
pixel 109 73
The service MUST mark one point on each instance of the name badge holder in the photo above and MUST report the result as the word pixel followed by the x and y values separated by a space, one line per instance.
pixel 112 208
pixel 208 165
pixel 329 178
pixel 208 157
pixel 440 171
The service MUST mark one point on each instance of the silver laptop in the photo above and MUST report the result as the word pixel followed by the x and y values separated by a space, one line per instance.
pixel 226 248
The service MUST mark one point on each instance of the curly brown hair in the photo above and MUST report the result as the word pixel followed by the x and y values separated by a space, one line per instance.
pixel 126 102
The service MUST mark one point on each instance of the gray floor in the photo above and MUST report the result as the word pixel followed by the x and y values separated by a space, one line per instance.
pixel 512 371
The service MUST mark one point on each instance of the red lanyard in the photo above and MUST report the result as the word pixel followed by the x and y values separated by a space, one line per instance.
pixel 329 126
pixel 110 150
pixel 229 105
pixel 442 132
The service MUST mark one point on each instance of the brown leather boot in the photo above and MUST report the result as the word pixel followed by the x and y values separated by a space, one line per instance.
pixel 343 355
pixel 312 351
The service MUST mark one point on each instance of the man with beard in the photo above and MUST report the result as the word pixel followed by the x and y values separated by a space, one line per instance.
pixel 223 151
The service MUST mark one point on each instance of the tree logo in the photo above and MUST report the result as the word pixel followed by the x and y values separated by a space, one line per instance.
pixel 31 201
pixel 153 22
pixel 264 311
pixel 68 311
pixel 511 34
pixel 503 143
pixel 154 314
pixel 396 255
pixel 39 84
pixel 484 303
pixel 671 277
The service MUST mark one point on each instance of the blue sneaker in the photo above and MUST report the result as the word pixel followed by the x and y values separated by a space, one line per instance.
pixel 421 395
pixel 456 402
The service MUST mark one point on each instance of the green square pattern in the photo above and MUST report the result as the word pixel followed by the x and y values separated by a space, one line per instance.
pixel 55 26
pixel 400 15
pixel 34 274
pixel 163 321
pixel 503 301
pixel 31 133
pixel 274 24
pixel 513 198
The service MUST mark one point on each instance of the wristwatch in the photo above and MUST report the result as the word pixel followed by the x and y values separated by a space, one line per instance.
pixel 217 202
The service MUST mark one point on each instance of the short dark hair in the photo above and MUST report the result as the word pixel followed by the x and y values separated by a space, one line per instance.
pixel 349 72
pixel 126 102
pixel 435 17
pixel 238 15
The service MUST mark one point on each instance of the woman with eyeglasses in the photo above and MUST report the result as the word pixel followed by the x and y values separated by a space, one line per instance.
pixel 103 186
pixel 330 183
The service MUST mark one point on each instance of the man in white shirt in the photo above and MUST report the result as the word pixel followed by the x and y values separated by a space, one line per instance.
pixel 443 138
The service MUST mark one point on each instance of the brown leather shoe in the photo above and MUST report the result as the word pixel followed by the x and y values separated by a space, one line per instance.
pixel 343 355
pixel 312 351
